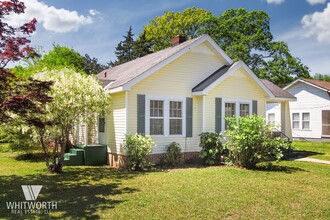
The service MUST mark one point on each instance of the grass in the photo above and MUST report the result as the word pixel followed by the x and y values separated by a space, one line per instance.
pixel 287 190
pixel 318 150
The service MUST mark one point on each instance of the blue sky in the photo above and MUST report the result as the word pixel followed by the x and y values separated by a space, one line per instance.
pixel 96 26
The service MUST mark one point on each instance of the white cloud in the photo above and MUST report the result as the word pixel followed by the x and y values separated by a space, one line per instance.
pixel 275 2
pixel 94 12
pixel 317 24
pixel 51 18
pixel 314 2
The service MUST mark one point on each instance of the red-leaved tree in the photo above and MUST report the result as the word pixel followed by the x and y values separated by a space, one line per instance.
pixel 14 44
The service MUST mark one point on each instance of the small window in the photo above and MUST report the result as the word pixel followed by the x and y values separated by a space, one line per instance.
pixel 156 117
pixel 295 121
pixel 305 121
pixel 244 110
pixel 102 125
pixel 271 118
pixel 175 117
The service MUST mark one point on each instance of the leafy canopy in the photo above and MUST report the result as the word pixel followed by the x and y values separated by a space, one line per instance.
pixel 243 35
pixel 14 44
pixel 58 58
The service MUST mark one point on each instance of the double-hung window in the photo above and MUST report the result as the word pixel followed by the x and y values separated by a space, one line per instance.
pixel 305 121
pixel 175 117
pixel 166 116
pixel 301 123
pixel 156 117
pixel 295 121
pixel 244 109
pixel 236 108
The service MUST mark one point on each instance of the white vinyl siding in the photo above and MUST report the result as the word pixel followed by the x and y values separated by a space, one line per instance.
pixel 116 122
pixel 309 100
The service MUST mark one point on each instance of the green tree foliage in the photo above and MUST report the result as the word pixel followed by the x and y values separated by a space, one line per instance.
pixel 241 34
pixel 62 57
pixel 91 65
pixel 192 23
pixel 77 98
pixel 142 46
pixel 130 49
pixel 58 58
pixel 249 140
pixel 322 77
pixel 124 49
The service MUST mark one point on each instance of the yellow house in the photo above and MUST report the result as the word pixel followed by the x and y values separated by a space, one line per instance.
pixel 177 93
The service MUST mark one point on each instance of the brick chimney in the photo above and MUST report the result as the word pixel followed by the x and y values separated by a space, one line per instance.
pixel 178 39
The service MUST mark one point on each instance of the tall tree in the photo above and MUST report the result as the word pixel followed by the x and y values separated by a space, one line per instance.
pixel 142 46
pixel 92 66
pixel 14 43
pixel 322 77
pixel 192 22
pixel 243 35
pixel 18 97
pixel 124 49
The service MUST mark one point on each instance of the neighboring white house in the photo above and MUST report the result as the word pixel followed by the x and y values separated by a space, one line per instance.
pixel 310 114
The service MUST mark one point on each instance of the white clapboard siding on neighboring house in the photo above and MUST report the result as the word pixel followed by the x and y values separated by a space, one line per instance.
pixel 309 100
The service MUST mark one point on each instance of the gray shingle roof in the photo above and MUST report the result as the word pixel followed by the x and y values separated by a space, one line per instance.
pixel 210 79
pixel 277 91
pixel 125 72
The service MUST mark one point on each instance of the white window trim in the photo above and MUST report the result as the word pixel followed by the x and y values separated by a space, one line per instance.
pixel 237 107
pixel 166 117
pixel 301 120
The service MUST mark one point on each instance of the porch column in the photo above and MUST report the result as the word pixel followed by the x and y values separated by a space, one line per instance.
pixel 286 119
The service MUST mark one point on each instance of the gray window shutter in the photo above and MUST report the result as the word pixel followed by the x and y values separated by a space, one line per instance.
pixel 254 107
pixel 218 114
pixel 141 113
pixel 189 117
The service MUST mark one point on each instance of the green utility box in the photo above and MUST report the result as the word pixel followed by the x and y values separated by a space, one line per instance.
pixel 95 154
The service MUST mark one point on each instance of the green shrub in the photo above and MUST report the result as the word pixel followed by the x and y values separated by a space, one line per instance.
pixel 211 145
pixel 250 140
pixel 19 138
pixel 137 147
pixel 172 156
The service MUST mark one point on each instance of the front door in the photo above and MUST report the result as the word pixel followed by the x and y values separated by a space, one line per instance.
pixel 101 130
pixel 326 123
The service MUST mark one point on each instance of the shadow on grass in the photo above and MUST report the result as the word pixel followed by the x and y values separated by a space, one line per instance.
pixel 269 167
pixel 31 157
pixel 79 192
pixel 301 153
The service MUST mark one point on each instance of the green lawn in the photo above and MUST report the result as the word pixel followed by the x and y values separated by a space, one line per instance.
pixel 288 190
pixel 313 149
